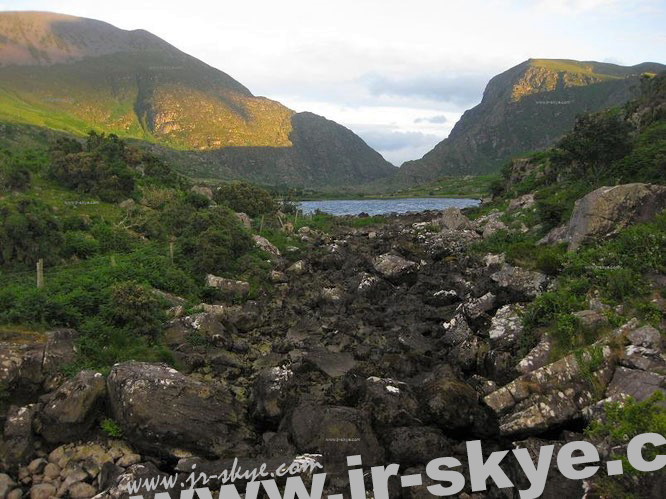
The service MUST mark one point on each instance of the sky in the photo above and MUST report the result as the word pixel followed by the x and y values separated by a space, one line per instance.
pixel 398 73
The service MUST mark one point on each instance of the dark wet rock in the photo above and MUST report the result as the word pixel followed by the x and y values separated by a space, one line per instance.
pixel 69 412
pixel 334 364
pixel 395 268
pixel 145 399
pixel 18 437
pixel 455 331
pixel 452 405
pixel 416 445
pixel 389 402
pixel 335 432
pixel 269 394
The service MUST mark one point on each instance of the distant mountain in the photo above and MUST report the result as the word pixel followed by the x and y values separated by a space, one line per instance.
pixel 73 74
pixel 524 109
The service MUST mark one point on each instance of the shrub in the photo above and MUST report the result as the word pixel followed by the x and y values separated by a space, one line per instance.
pixel 111 428
pixel 135 308
pixel 246 198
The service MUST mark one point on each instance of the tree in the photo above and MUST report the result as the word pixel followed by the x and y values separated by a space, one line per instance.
pixel 594 143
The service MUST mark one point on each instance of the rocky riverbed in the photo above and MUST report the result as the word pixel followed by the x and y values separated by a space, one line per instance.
pixel 392 342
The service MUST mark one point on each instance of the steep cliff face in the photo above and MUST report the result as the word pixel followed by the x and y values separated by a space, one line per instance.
pixel 73 74
pixel 523 109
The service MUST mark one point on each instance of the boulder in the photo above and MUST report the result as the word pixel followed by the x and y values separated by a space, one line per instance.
pixel 518 283
pixel 245 220
pixel 607 210
pixel 335 432
pixel 416 445
pixel 69 412
pixel 164 411
pixel 551 395
pixel 18 436
pixel 453 219
pixel 228 286
pixel 478 306
pixel 394 268
pixel 265 245
pixel 635 383
pixel 523 202
pixel 389 402
pixel 453 406
pixel 268 395
pixel 506 326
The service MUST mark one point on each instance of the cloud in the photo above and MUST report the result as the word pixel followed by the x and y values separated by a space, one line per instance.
pixel 393 140
pixel 439 119
pixel 461 89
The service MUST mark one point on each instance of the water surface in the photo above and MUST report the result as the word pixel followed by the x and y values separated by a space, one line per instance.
pixel 383 206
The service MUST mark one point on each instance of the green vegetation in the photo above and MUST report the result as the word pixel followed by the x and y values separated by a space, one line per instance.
pixel 622 422
pixel 604 148
pixel 104 260
pixel 111 428
pixel 245 198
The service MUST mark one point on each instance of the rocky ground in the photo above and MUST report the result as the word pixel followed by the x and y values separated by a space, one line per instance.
pixel 393 342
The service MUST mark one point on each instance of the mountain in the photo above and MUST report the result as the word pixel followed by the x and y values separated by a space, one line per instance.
pixel 526 108
pixel 75 74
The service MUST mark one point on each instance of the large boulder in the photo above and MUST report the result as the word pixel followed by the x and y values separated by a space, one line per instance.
pixel 453 405
pixel 519 284
pixel 18 436
pixel 395 268
pixel 265 245
pixel 161 410
pixel 554 394
pixel 607 210
pixel 453 219
pixel 336 432
pixel 228 286
pixel 69 412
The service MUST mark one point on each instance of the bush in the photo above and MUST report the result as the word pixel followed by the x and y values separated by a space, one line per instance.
pixel 135 308
pixel 246 198
pixel 111 428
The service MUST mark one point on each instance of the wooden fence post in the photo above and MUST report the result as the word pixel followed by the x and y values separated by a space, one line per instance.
pixel 40 273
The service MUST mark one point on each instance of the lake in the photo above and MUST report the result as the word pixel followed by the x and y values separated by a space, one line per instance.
pixel 383 206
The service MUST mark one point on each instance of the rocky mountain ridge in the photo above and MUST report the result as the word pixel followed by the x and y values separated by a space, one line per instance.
pixel 74 74
pixel 526 108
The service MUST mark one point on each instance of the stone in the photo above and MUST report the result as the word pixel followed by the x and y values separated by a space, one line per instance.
pixel 590 320
pixel 635 383
pixel 416 445
pixel 645 336
pixel 607 210
pixel 228 286
pixel 389 402
pixel 81 490
pixel 452 405
pixel 453 219
pixel 394 268
pixel 42 491
pixel 477 307
pixel 6 485
pixel 69 412
pixel 506 326
pixel 245 220
pixel 18 435
pixel 556 235
pixel 333 364
pixel 520 284
pixel 269 395
pixel 297 268
pixel 335 432
pixel 537 357
pixel 523 202
pixel 265 245
pixel 145 399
